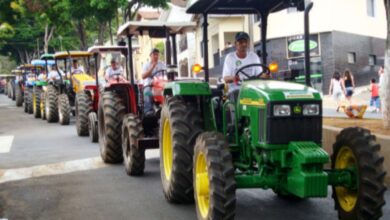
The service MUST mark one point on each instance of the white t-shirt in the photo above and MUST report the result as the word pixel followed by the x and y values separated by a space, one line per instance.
pixel 160 66
pixel 79 69
pixel 54 74
pixel 112 72
pixel 234 63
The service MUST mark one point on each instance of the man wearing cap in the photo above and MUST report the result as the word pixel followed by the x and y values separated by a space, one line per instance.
pixel 237 59
pixel 113 70
pixel 149 70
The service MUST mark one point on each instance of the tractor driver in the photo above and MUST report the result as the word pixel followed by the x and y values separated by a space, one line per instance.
pixel 76 69
pixel 149 71
pixel 113 70
pixel 53 73
pixel 237 59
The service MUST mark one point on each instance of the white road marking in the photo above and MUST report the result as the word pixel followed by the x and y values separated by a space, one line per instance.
pixel 5 143
pixel 51 169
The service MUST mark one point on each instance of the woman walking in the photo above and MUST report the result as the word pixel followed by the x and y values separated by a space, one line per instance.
pixel 336 88
pixel 349 85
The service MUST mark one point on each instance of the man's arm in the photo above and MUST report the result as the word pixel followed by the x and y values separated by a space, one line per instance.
pixel 227 72
pixel 148 71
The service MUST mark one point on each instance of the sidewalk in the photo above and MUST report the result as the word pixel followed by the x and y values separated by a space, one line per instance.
pixel 361 97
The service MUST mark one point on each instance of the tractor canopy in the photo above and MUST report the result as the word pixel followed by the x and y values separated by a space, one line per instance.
pixel 47 56
pixel 155 29
pixel 243 7
pixel 42 63
pixel 71 54
pixel 107 49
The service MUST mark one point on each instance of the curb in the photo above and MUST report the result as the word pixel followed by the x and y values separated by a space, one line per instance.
pixel 329 134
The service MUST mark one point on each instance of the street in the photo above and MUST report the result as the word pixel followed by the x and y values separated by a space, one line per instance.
pixel 51 173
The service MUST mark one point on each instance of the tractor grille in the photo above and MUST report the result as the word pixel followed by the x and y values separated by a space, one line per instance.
pixel 294 128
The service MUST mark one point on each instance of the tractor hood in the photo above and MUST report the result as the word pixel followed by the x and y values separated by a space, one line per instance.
pixel 270 90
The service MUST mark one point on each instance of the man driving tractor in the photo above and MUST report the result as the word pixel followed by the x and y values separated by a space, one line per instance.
pixel 237 59
pixel 76 69
pixel 151 69
pixel 113 70
pixel 53 74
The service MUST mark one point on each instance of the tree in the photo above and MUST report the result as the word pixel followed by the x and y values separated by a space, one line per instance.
pixel 385 85
pixel 133 6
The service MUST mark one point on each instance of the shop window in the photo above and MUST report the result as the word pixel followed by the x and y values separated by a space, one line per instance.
pixel 371 8
pixel 351 57
pixel 372 60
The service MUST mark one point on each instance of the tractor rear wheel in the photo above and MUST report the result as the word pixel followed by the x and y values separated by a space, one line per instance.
pixel 18 95
pixel 8 92
pixel 42 105
pixel 28 95
pixel 357 149
pixel 180 124
pixel 36 102
pixel 83 108
pixel 134 158
pixel 93 127
pixel 213 174
pixel 51 110
pixel 110 115
pixel 64 109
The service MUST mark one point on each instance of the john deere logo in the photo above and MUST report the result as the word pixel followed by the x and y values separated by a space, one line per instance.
pixel 297 109
pixel 299 46
pixel 238 63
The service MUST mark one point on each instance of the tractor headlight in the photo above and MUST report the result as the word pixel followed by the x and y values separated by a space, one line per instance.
pixel 282 110
pixel 311 109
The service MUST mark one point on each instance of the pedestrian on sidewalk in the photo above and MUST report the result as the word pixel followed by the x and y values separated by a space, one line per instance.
pixel 349 85
pixel 336 89
pixel 375 101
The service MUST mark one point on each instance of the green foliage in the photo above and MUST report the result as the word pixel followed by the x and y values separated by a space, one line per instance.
pixel 161 47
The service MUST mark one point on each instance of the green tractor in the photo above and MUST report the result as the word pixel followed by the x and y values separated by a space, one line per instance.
pixel 269 137
pixel 40 86
pixel 26 86
pixel 48 61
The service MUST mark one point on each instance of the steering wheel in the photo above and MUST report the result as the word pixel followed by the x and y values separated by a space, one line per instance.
pixel 265 70
pixel 158 72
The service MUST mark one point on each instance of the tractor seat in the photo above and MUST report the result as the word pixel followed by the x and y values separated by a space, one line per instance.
pixel 217 91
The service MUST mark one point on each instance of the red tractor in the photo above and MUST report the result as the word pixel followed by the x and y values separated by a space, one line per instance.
pixel 88 123
pixel 125 132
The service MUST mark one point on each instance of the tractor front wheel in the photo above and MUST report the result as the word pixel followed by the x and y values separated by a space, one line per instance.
pixel 83 108
pixel 28 96
pixel 64 109
pixel 180 124
pixel 36 102
pixel 134 158
pixel 42 105
pixel 356 148
pixel 93 127
pixel 51 110
pixel 13 92
pixel 110 115
pixel 18 96
pixel 213 174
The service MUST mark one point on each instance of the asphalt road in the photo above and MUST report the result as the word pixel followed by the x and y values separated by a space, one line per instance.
pixel 51 173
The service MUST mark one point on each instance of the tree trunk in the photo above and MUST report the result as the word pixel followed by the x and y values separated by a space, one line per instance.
pixel 385 84
pixel 48 36
pixel 102 30
pixel 110 28
pixel 82 35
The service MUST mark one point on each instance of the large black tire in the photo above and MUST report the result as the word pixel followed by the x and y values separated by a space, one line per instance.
pixel 36 102
pixel 28 96
pixel 18 96
pixel 110 115
pixel 357 148
pixel 213 172
pixel 180 124
pixel 83 108
pixel 42 105
pixel 51 110
pixel 64 109
pixel 134 158
pixel 93 127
